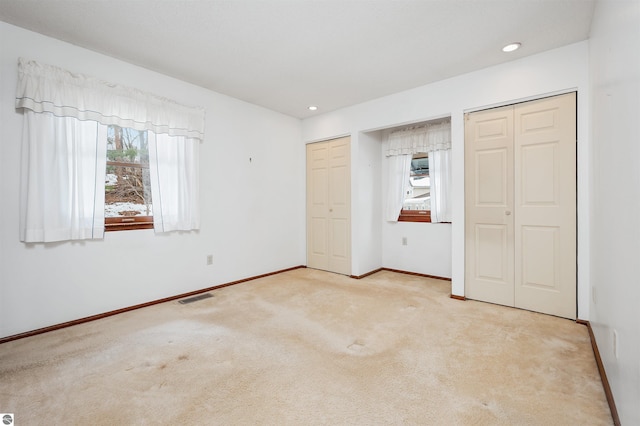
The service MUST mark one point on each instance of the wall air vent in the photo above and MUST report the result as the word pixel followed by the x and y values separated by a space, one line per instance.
pixel 195 298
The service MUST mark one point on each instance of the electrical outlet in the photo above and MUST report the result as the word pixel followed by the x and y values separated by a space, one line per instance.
pixel 404 241
pixel 615 344
pixel 209 259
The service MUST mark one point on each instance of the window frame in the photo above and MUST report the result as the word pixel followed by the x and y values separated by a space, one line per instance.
pixel 127 223
pixel 414 216
pixel 420 216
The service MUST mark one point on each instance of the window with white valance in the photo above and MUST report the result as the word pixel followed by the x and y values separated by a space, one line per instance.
pixel 405 150
pixel 66 117
pixel 422 138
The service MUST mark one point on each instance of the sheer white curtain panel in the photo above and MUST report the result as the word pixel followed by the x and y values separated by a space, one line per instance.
pixel 174 170
pixel 440 172
pixel 62 189
pixel 399 167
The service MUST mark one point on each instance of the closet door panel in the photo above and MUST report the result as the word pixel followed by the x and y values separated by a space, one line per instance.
pixel 491 177
pixel 317 206
pixel 520 205
pixel 539 177
pixel 539 255
pixel 329 206
pixel 545 205
pixel 488 206
pixel 491 254
pixel 340 206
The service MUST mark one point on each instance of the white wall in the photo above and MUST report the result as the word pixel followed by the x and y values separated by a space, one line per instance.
pixel 366 202
pixel 252 212
pixel 551 72
pixel 615 78
pixel 428 248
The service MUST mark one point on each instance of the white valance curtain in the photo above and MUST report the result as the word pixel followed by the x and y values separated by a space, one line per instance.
pixel 64 152
pixel 45 88
pixel 434 139
pixel 424 138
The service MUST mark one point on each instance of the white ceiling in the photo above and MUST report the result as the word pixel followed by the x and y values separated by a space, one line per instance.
pixel 288 54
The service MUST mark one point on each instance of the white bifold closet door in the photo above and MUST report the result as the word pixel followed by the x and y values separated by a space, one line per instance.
pixel 520 205
pixel 329 205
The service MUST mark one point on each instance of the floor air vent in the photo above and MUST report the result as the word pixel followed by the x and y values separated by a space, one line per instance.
pixel 195 298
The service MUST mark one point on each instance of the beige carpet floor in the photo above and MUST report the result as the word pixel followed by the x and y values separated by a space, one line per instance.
pixel 310 347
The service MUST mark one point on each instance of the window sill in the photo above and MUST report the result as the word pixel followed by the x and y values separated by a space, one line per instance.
pixel 414 216
pixel 128 223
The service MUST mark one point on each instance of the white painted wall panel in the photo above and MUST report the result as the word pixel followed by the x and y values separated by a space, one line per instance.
pixel 615 108
pixel 252 211
pixel 367 214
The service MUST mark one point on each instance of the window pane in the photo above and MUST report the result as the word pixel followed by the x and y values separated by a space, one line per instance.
pixel 127 192
pixel 418 196
pixel 127 188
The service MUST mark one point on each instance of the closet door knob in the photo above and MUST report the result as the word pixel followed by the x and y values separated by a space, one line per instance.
pixel 507 213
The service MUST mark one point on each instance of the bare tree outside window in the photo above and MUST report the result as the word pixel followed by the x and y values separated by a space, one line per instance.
pixel 127 186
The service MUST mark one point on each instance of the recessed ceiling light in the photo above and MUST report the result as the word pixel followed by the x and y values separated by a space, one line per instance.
pixel 511 47
pixel 313 108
